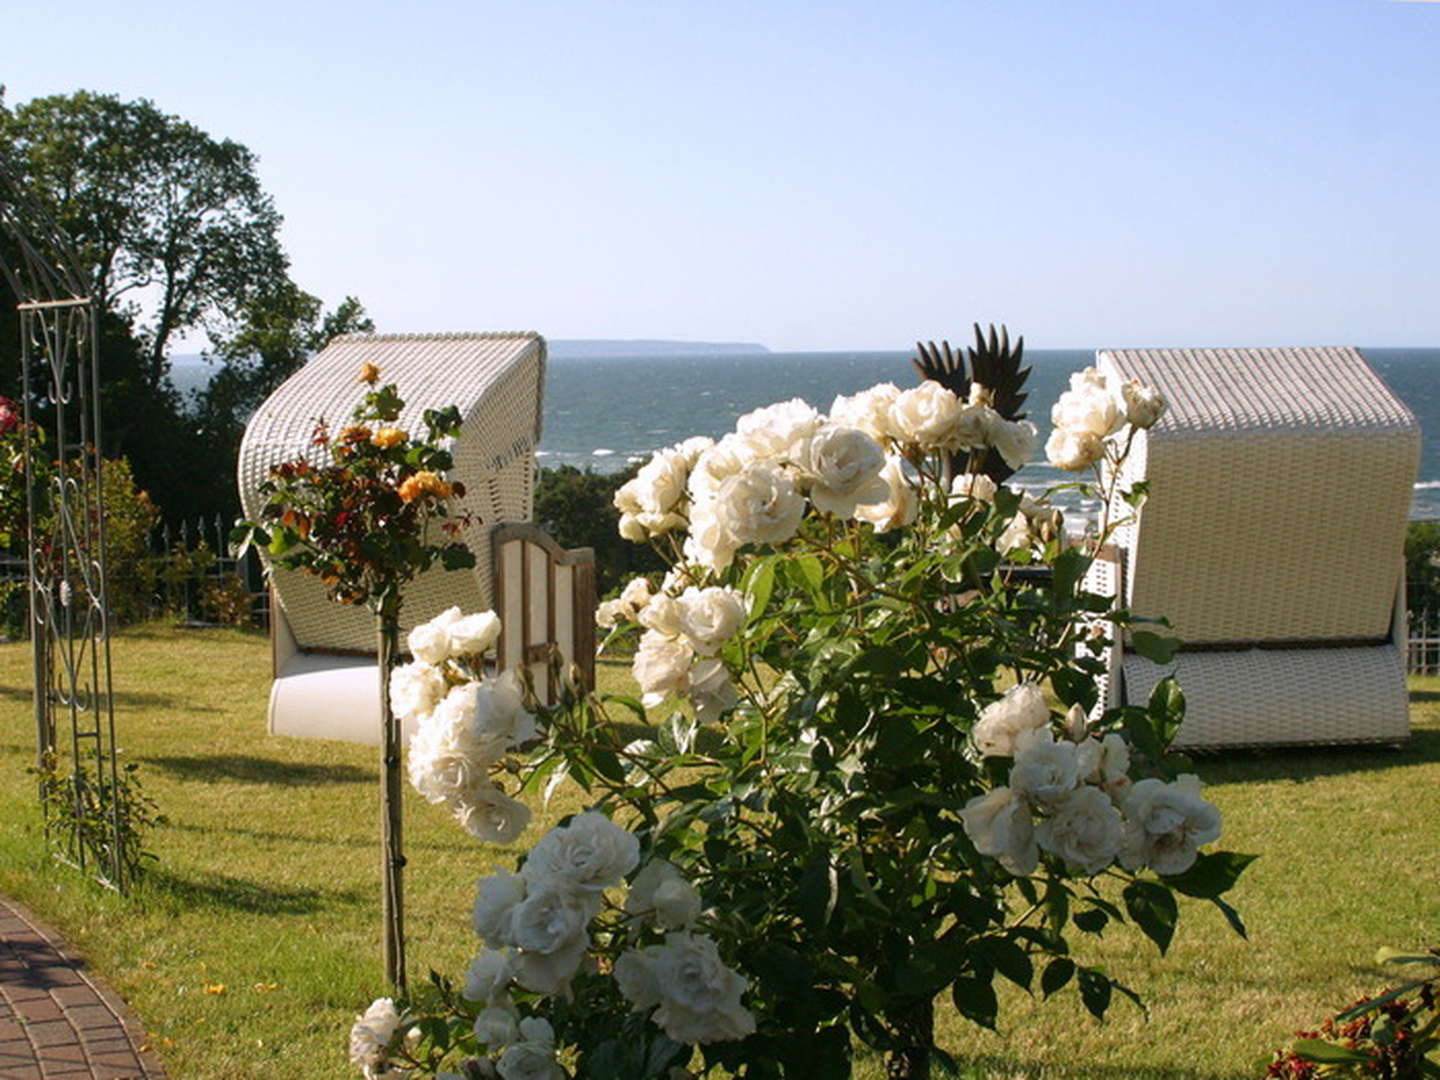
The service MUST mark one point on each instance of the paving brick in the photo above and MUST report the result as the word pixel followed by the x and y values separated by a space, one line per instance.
pixel 71 1052
pixel 52 1033
pixel 35 1010
pixel 54 1020
pixel 71 996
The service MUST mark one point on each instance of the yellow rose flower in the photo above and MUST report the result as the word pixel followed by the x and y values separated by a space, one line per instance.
pixel 425 482
pixel 387 437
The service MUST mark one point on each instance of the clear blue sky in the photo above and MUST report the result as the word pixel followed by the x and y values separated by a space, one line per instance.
pixel 818 175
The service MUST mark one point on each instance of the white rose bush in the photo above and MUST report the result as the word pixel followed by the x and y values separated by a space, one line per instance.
pixel 881 777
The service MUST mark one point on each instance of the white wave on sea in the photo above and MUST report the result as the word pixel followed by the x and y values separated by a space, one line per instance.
pixel 1427 485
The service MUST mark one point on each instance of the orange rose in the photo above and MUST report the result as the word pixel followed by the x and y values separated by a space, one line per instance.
pixel 355 433
pixel 425 482
pixel 387 437
pixel 369 373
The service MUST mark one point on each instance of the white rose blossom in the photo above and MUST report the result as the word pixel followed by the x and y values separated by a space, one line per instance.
pixel 760 505
pixel 974 427
pixel 660 894
pixel 489 975
pixel 1021 708
pixel 779 431
pixel 1016 536
pixel 651 500
pixel 718 463
pixel 491 816
pixel 1044 770
pixel 371 1034
pixel 430 641
pixel 1090 405
pixel 696 997
pixel 1015 439
pixel 711 690
pixel 976 486
pixel 496 898
pixel 1106 762
pixel 1073 449
pixel 868 410
pixel 1165 824
pixel 999 824
pixel 927 416
pixel 532 1057
pixel 662 615
pixel 550 927
pixel 415 689
pixel 589 853
pixel 497 1026
pixel 843 466
pixel 1085 830
pixel 661 665
pixel 1142 405
pixel 474 634
pixel 710 617
pixel 901 503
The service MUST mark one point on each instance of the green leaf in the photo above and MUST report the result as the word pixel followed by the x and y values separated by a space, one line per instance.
pixel 1231 916
pixel 1153 647
pixel 1324 1053
pixel 1167 709
pixel 1091 921
pixel 1070 567
pixel 974 996
pixel 1213 874
pixel 1057 975
pixel 1010 960
pixel 1095 991
pixel 457 557
pixel 818 890
pixel 758 583
pixel 1153 908
pixel 1075 688
pixel 806 573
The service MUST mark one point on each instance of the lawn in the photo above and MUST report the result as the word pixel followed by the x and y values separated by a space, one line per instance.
pixel 256 938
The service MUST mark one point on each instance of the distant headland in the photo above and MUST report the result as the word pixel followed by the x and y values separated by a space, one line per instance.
pixel 580 348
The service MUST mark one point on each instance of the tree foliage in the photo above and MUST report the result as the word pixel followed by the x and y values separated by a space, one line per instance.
pixel 175 234
pixel 578 509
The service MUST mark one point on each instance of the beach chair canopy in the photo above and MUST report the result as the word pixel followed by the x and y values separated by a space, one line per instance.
pixel 496 379
pixel 1272 539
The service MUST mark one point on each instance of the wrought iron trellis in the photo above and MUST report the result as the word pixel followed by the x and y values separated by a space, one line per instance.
pixel 65 537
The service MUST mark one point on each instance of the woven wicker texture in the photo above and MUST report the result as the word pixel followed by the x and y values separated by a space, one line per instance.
pixel 1276 697
pixel 496 379
pixel 1280 490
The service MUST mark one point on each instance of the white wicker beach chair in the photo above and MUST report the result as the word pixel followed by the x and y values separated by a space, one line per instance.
pixel 1272 540
pixel 324 652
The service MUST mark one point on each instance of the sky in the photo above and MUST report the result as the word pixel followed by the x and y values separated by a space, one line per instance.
pixel 814 175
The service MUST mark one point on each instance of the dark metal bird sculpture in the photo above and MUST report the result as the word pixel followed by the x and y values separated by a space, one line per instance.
pixel 994 365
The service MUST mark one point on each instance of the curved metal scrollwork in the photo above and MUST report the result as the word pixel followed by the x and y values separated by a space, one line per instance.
pixel 81 791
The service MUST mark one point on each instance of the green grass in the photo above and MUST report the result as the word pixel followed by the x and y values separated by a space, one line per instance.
pixel 267 885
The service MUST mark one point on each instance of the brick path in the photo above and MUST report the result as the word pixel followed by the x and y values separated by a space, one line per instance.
pixel 55 1018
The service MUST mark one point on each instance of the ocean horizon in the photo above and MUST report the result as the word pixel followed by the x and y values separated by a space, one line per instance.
pixel 605 413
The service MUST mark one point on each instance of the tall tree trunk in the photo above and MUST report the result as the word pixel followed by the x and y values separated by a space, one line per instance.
pixel 914 1030
pixel 392 857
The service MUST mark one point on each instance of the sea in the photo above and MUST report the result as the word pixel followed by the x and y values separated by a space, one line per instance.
pixel 604 413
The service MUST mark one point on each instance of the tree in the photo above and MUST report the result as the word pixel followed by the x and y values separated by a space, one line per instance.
pixel 172 223
pixel 174 233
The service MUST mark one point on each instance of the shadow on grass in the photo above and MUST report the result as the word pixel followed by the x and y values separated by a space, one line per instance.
pixel 124 699
pixel 1300 764
pixel 1419 696
pixel 975 1068
pixel 241 894
pixel 258 770
pixel 459 846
